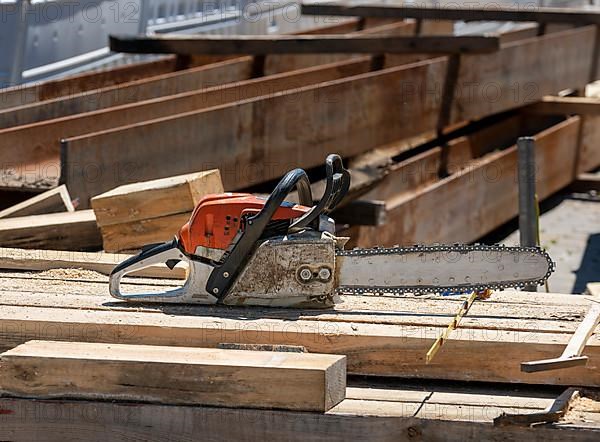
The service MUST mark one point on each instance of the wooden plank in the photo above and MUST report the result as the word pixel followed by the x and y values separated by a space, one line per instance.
pixel 102 262
pixel 61 231
pixel 487 185
pixel 451 12
pixel 43 138
pixel 51 201
pixel 174 375
pixel 553 105
pixel 153 199
pixel 302 44
pixel 509 78
pixel 263 135
pixel 136 234
pixel 142 89
pixel 502 313
pixel 372 348
pixel 382 420
pixel 47 90
pixel 589 147
pixel 282 62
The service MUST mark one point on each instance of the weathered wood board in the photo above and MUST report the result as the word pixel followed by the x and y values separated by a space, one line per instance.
pixel 153 199
pixel 60 231
pixel 369 412
pixel 477 199
pixel 303 44
pixel 174 375
pixel 47 90
pixel 143 89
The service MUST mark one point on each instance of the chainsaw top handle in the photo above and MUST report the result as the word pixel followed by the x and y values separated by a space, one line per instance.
pixel 338 181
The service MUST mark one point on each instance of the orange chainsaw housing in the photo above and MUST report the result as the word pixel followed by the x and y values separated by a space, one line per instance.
pixel 218 217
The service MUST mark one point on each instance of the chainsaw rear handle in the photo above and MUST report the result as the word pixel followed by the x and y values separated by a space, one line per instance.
pixel 158 254
pixel 338 181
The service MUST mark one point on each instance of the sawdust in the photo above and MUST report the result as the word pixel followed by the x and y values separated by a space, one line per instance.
pixel 587 402
pixel 79 274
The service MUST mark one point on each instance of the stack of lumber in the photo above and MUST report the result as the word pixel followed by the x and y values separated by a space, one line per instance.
pixel 133 215
pixel 132 346
pixel 49 221
pixel 380 336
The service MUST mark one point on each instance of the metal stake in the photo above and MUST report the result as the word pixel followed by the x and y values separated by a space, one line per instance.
pixel 527 196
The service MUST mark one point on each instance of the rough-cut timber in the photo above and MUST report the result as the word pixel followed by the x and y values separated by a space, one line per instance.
pixel 153 199
pixel 452 12
pixel 522 72
pixel 101 262
pixel 259 139
pixel 379 335
pixel 370 412
pixel 136 234
pixel 47 90
pixel 143 89
pixel 51 201
pixel 589 110
pixel 60 231
pixel 478 198
pixel 174 375
pixel 303 44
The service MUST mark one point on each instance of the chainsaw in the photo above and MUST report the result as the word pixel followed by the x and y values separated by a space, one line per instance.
pixel 242 249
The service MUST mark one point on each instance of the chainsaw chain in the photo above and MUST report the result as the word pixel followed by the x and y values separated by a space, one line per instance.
pixel 422 290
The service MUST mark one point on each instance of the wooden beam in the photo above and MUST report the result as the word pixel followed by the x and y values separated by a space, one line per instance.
pixel 174 375
pixel 130 92
pixel 487 184
pixel 451 12
pixel 132 236
pixel 47 90
pixel 153 199
pixel 510 79
pixel 278 128
pixel 552 105
pixel 51 201
pixel 61 231
pixel 101 262
pixel 302 44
